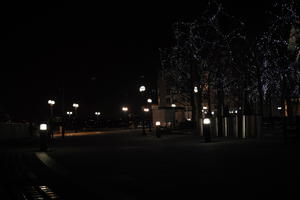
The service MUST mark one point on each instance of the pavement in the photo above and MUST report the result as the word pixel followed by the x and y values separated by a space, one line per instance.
pixel 124 164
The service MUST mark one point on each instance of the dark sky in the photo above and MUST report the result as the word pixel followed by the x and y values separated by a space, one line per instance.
pixel 97 51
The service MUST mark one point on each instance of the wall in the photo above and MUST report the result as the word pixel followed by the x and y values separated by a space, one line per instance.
pixel 14 130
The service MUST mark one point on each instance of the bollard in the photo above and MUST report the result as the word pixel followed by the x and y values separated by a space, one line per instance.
pixel 43 137
pixel 158 132
pixel 206 130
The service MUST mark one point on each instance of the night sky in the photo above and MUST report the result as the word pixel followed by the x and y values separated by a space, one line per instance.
pixel 95 51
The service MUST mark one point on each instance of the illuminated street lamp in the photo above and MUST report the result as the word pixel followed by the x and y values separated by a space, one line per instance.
pixel 75 106
pixel 51 104
pixel 125 110
pixel 158 132
pixel 195 89
pixel 142 88
pixel 97 113
pixel 43 137
pixel 97 116
pixel 69 113
pixel 206 130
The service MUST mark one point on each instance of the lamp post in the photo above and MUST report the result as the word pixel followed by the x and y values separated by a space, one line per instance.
pixel 69 113
pixel 146 110
pixel 51 104
pixel 125 110
pixel 76 106
pixel 149 101
pixel 158 133
pixel 43 137
pixel 174 117
pixel 97 116
pixel 142 88
pixel 206 130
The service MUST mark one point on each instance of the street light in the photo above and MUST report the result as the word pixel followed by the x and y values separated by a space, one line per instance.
pixel 158 132
pixel 142 88
pixel 206 130
pixel 146 110
pixel 173 105
pixel 195 89
pixel 149 100
pixel 43 137
pixel 97 115
pixel 51 104
pixel 69 113
pixel 125 110
pixel 75 105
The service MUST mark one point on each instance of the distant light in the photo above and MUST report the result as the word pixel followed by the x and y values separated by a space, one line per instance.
pixel 157 123
pixel 196 89
pixel 69 113
pixel 279 108
pixel 146 109
pixel 189 119
pixel 142 88
pixel 97 113
pixel 75 105
pixel 149 100
pixel 204 107
pixel 43 127
pixel 125 109
pixel 212 112
pixel 206 121
pixel 173 105
pixel 51 102
pixel 236 111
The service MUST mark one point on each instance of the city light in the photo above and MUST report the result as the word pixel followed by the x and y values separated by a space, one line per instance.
pixel 157 123
pixel 189 119
pixel 149 100
pixel 146 109
pixel 279 108
pixel 195 89
pixel 43 127
pixel 97 113
pixel 212 112
pixel 173 105
pixel 69 113
pixel 51 102
pixel 205 107
pixel 75 105
pixel 142 88
pixel 206 121
pixel 125 109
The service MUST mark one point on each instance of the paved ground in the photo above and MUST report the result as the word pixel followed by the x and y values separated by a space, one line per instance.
pixel 128 165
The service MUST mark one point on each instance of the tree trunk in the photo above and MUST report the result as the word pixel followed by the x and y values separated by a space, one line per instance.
pixel 220 111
